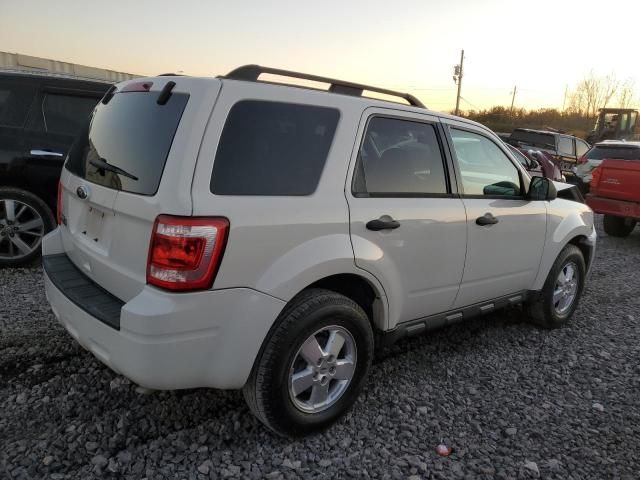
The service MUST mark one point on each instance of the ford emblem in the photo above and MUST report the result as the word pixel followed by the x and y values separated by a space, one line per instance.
pixel 82 192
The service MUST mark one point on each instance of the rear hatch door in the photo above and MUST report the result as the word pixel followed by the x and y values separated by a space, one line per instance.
pixel 133 162
pixel 619 179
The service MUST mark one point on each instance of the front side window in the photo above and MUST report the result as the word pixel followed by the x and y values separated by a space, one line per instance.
pixel 565 146
pixel 273 148
pixel 581 148
pixel 623 122
pixel 633 118
pixel 400 157
pixel 62 114
pixel 522 160
pixel 484 168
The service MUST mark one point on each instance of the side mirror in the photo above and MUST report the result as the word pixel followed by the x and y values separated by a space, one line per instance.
pixel 541 188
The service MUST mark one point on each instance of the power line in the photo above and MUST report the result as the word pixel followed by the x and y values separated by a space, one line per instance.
pixel 467 101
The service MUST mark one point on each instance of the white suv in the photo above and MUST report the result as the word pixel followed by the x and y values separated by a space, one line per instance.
pixel 236 233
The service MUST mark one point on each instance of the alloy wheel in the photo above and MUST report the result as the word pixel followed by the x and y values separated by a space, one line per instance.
pixel 21 229
pixel 322 369
pixel 565 290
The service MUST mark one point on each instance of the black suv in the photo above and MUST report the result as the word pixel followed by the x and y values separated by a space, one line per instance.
pixel 40 116
pixel 565 149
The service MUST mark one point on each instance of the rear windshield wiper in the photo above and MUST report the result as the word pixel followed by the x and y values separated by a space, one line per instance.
pixel 102 164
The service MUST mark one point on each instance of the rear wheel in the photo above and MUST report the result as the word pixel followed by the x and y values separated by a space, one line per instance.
pixel 559 297
pixel 24 220
pixel 618 226
pixel 313 365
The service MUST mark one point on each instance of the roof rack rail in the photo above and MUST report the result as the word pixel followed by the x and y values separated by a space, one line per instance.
pixel 252 72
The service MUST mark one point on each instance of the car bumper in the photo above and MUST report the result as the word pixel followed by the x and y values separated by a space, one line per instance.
pixel 618 208
pixel 171 341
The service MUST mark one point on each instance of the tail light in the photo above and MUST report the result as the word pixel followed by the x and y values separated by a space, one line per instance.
pixel 185 252
pixel 59 204
pixel 596 174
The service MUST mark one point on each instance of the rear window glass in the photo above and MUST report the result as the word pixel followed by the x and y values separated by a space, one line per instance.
pixel 272 148
pixel 15 101
pixel 132 133
pixel 620 153
pixel 542 140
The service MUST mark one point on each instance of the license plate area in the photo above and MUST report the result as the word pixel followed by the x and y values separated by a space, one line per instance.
pixel 94 230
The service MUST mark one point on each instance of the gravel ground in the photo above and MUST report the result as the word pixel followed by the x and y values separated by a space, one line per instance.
pixel 511 400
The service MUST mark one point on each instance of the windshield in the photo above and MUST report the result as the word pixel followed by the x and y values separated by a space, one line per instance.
pixel 620 153
pixel 131 133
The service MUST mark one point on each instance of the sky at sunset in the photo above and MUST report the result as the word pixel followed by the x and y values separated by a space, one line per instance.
pixel 540 46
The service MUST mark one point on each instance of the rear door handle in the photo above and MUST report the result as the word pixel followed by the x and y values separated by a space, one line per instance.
pixel 45 153
pixel 486 219
pixel 383 223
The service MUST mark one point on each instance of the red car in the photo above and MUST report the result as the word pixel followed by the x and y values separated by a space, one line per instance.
pixel 615 191
pixel 538 163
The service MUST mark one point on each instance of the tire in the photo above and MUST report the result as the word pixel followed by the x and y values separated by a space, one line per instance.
pixel 547 312
pixel 269 391
pixel 618 226
pixel 22 209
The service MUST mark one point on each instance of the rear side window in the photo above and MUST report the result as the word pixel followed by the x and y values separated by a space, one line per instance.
pixel 581 148
pixel 618 153
pixel 536 139
pixel 399 158
pixel 62 114
pixel 15 101
pixel 132 133
pixel 272 148
pixel 565 146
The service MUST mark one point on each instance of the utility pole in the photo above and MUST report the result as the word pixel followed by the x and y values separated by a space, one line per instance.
pixel 564 100
pixel 513 98
pixel 457 78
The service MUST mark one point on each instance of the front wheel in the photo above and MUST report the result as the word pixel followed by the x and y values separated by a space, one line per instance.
pixel 24 220
pixel 618 226
pixel 561 293
pixel 313 365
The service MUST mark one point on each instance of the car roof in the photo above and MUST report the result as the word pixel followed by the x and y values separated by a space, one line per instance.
pixel 367 101
pixel 617 143
pixel 56 77
pixel 545 132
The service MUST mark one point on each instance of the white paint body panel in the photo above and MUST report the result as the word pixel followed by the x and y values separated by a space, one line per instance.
pixel 171 341
pixel 420 264
pixel 503 258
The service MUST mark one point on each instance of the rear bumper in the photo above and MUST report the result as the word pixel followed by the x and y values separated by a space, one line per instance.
pixel 170 341
pixel 617 208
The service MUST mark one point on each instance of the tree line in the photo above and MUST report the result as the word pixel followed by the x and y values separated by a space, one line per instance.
pixel 578 115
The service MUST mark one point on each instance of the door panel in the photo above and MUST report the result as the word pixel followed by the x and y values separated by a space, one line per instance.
pixel 52 126
pixel 420 263
pixel 505 232
pixel 502 258
pixel 407 228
